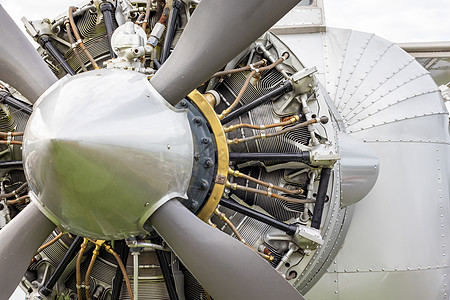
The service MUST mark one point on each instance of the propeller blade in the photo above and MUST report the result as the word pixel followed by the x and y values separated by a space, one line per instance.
pixel 20 239
pixel 225 267
pixel 218 31
pixel 20 64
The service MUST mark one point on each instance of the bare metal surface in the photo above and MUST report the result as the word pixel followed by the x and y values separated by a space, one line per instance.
pixel 211 40
pixel 398 241
pixel 20 64
pixel 427 49
pixel 103 150
pixel 359 169
pixel 20 239
pixel 217 260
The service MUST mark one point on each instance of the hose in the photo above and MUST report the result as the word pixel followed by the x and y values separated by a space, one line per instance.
pixel 72 9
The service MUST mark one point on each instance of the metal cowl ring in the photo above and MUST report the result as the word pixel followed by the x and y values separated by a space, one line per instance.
pixel 103 150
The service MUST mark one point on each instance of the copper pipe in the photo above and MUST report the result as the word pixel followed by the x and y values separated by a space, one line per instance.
pixel 19 200
pixel 72 9
pixel 224 218
pixel 122 268
pixel 263 183
pixel 289 121
pixel 11 142
pixel 75 49
pixel 6 134
pixel 95 253
pixel 56 238
pixel 239 96
pixel 78 267
pixel 147 14
pixel 46 245
pixel 283 131
pixel 246 68
pixel 165 15
pixel 15 192
pixel 247 81
pixel 235 186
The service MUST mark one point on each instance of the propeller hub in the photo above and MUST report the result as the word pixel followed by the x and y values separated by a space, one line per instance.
pixel 103 150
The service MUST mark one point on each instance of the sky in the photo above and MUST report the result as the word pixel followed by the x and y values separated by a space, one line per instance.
pixel 395 20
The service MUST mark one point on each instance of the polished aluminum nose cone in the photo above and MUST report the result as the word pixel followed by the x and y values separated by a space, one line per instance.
pixel 103 150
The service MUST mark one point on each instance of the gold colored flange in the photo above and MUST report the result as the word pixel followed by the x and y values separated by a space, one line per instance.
pixel 222 154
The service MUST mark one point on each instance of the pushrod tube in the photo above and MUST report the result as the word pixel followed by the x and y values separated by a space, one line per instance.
pixel 46 43
pixel 302 156
pixel 47 288
pixel 320 197
pixel 286 87
pixel 290 229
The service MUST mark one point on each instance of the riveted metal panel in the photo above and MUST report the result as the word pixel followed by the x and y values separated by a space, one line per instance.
pixel 403 222
pixel 326 289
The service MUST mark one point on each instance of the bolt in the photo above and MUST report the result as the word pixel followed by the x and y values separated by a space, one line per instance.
pixel 193 204
pixel 206 141
pixel 208 163
pixel 204 184
pixel 197 120
pixel 183 103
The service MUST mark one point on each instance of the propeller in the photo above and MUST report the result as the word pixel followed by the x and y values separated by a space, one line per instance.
pixel 20 239
pixel 217 31
pixel 223 265
pixel 20 64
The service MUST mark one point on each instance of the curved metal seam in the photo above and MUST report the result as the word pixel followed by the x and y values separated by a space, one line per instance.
pixel 398 120
pixel 362 79
pixel 389 106
pixel 351 73
pixel 387 93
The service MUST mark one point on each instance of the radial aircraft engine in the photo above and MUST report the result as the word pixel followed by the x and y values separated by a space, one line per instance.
pixel 179 150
